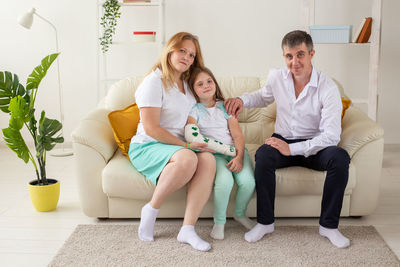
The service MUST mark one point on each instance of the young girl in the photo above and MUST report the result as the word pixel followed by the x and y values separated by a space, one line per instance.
pixel 218 127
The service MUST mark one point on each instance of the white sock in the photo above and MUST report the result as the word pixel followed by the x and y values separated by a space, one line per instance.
pixel 258 232
pixel 245 221
pixel 188 235
pixel 335 237
pixel 218 231
pixel 147 221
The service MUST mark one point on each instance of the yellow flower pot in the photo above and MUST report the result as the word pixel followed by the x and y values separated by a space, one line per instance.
pixel 44 197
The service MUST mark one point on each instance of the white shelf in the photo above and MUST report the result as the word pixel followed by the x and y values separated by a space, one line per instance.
pixel 155 43
pixel 140 4
pixel 100 3
pixel 103 81
pixel 345 44
pixel 308 10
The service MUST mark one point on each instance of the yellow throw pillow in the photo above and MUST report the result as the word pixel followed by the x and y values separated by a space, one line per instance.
pixel 346 104
pixel 124 125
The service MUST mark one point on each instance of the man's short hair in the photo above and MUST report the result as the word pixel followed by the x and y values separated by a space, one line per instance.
pixel 295 38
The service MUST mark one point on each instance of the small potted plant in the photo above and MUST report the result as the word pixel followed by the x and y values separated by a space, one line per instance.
pixel 109 23
pixel 19 102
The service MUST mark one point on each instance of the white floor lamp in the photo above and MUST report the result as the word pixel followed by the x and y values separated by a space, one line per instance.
pixel 26 21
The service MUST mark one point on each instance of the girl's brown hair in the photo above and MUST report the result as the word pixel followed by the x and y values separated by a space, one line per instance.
pixel 164 64
pixel 195 72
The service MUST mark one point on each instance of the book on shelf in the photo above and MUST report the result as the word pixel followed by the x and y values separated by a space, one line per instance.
pixel 357 33
pixel 365 33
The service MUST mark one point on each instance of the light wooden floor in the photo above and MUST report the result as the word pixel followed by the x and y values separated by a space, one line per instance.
pixel 30 238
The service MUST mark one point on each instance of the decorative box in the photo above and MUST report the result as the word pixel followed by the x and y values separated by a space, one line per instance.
pixel 330 34
pixel 144 36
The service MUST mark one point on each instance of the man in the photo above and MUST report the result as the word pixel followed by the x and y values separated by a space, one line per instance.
pixel 307 131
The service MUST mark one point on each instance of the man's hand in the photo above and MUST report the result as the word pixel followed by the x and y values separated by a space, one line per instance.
pixel 234 106
pixel 278 144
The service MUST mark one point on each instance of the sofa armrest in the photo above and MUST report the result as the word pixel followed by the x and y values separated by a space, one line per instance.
pixel 362 138
pixel 94 145
pixel 95 131
pixel 358 130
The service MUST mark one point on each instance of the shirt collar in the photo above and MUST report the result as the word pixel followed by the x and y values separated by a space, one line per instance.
pixel 313 79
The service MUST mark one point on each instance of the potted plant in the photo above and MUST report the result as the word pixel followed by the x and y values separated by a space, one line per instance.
pixel 19 102
pixel 109 22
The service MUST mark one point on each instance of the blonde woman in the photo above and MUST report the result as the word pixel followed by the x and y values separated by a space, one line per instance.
pixel 158 150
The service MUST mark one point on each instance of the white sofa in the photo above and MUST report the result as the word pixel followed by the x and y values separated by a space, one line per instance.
pixel 110 187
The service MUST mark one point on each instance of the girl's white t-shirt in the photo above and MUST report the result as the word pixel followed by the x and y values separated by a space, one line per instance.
pixel 213 122
pixel 175 106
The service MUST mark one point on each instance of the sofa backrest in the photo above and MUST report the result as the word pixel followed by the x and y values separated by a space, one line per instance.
pixel 257 124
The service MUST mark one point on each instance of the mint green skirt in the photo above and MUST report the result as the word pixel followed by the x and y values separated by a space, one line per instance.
pixel 150 158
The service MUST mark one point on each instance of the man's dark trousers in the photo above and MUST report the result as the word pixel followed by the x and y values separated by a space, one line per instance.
pixel 333 159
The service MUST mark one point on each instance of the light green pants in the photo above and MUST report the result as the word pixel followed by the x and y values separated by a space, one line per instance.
pixel 223 186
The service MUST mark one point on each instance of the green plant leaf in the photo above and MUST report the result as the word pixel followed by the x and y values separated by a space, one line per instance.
pixel 109 22
pixel 40 71
pixel 48 128
pixel 16 143
pixel 9 88
pixel 19 108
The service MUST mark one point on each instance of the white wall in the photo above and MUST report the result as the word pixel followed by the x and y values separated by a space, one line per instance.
pixel 237 38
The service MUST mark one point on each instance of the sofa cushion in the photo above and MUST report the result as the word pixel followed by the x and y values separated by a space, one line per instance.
pixel 303 181
pixel 122 93
pixel 300 180
pixel 121 179
pixel 124 125
pixel 345 105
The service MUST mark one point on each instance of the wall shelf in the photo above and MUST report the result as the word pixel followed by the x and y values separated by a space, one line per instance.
pixel 103 79
pixel 308 11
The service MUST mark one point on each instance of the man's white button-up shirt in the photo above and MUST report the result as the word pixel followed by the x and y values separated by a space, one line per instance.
pixel 314 115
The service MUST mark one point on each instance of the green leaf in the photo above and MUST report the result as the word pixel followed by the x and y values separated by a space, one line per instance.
pixel 48 128
pixel 32 123
pixel 109 22
pixel 20 109
pixel 40 71
pixel 16 143
pixel 9 88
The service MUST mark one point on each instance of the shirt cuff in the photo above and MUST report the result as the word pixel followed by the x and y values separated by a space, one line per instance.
pixel 297 148
pixel 244 99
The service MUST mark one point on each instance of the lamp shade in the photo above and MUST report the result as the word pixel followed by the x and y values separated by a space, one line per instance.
pixel 26 19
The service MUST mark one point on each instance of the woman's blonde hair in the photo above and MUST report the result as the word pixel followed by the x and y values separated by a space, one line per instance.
pixel 164 63
pixel 196 71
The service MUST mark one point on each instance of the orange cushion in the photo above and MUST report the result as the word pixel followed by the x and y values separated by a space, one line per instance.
pixel 124 125
pixel 346 104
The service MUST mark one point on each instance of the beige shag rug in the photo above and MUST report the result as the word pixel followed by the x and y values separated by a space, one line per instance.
pixel 118 245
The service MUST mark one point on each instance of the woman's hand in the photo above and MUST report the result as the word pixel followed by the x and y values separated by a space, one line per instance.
pixel 200 146
pixel 236 164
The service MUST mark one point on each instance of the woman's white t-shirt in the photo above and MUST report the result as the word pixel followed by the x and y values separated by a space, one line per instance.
pixel 175 106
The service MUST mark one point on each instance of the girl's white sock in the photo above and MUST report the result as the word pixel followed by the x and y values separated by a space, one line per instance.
pixel 258 232
pixel 188 235
pixel 335 237
pixel 245 221
pixel 218 231
pixel 147 220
